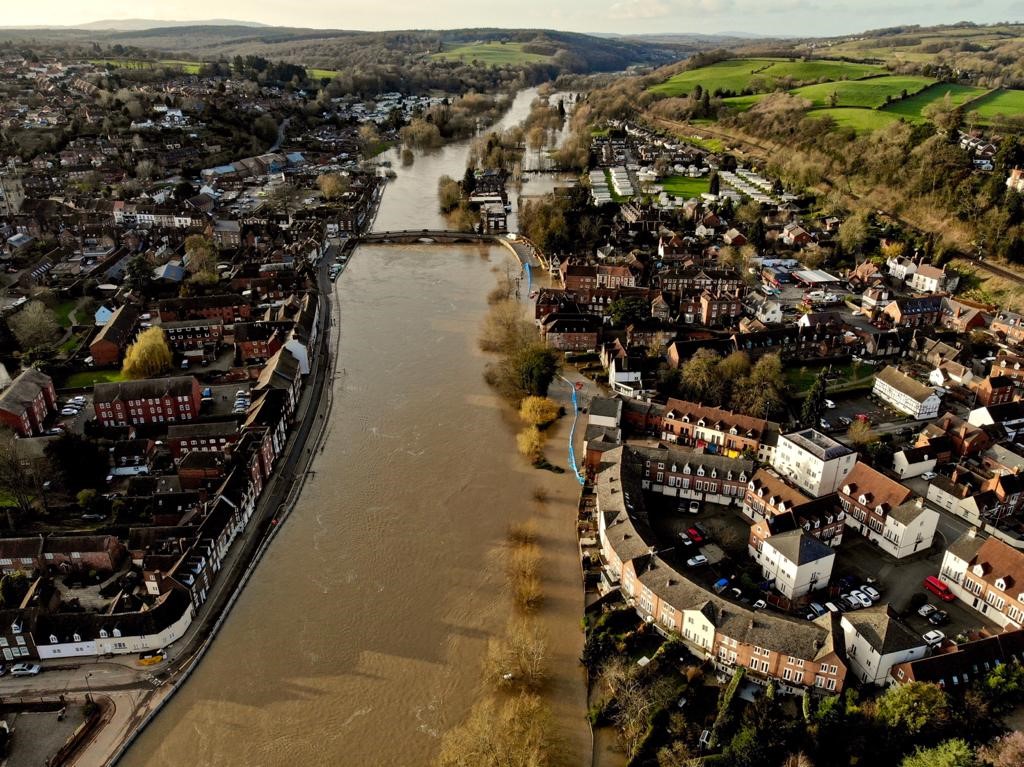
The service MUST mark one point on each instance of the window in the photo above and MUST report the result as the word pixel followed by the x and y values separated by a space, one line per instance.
pixel 995 600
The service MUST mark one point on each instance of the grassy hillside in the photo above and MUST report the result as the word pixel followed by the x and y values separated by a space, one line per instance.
pixel 860 120
pixel 999 102
pixel 913 107
pixel 761 75
pixel 871 93
pixel 495 53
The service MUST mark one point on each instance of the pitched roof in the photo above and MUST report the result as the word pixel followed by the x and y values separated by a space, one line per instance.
pixel 147 388
pixel 881 630
pixel 879 489
pixel 798 547
pixel 905 384
pixel 120 327
pixel 23 390
pixel 999 560
pixel 965 662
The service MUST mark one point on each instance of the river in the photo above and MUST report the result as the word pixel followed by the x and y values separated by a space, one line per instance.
pixel 360 637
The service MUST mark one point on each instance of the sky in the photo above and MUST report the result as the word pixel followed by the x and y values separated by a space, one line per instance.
pixel 795 18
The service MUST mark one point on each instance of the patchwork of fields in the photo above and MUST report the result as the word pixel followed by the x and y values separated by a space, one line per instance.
pixel 862 97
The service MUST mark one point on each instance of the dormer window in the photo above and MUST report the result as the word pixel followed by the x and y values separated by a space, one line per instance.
pixel 53 639
pixel 862 499
pixel 750 486
pixel 675 470
pixel 700 471
pixel 77 637
pixel 847 489
pixel 743 477
pixel 979 570
pixel 701 423
pixel 117 632
pixel 714 474
pixel 1001 584
pixel 103 634
pixel 686 469
pixel 734 431
pixel 16 627
pixel 686 419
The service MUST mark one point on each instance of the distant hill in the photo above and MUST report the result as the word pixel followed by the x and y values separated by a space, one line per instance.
pixel 135 25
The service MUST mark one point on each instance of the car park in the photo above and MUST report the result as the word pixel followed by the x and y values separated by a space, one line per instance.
pixel 939 618
pixel 933 638
pixel 25 669
pixel 697 561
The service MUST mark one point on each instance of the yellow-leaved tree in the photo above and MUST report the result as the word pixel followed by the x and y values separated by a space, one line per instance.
pixel 538 411
pixel 148 356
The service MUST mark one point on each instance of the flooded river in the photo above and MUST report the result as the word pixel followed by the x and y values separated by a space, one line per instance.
pixel 360 637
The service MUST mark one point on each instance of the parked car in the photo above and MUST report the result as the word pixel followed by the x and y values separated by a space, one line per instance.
pixel 25 669
pixel 872 592
pixel 760 604
pixel 824 424
pixel 694 533
pixel 847 583
pixel 817 608
pixel 938 588
pixel 830 404
pixel 926 610
pixel 933 638
pixel 68 411
pixel 685 539
pixel 832 607
pixel 694 507
pixel 860 596
pixel 697 561
pixel 845 421
pixel 929 476
pixel 851 602
pixel 939 618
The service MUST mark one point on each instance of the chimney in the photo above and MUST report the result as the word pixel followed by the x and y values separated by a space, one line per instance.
pixel 972 532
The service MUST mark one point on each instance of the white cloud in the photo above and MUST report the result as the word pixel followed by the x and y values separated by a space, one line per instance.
pixel 639 9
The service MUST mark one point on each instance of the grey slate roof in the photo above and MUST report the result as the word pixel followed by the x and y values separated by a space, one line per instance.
pixel 882 631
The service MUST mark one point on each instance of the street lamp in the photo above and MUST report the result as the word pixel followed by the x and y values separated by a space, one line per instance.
pixel 88 695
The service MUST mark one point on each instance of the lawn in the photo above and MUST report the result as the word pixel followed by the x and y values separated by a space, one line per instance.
pixel 800 379
pixel 861 120
pixel 1002 102
pixel 684 187
pixel 63 310
pixel 869 93
pixel 736 74
pixel 91 378
pixel 493 54
pixel 913 107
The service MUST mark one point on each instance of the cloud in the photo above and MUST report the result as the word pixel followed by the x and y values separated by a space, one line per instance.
pixel 639 9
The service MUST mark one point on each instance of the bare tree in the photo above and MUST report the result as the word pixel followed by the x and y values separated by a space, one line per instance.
pixel 33 326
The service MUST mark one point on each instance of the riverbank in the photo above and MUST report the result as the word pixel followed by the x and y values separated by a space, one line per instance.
pixel 136 712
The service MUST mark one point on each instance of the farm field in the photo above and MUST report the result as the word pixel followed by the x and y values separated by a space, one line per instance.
pixel 684 187
pixel 869 93
pixel 861 120
pixel 188 67
pixel 737 74
pixel 492 53
pixel 743 103
pixel 913 107
pixel 322 74
pixel 1009 103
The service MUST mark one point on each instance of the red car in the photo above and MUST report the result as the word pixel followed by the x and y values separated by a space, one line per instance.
pixel 863 417
pixel 695 535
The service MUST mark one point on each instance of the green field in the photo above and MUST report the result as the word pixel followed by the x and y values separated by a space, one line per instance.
pixel 1008 103
pixel 684 187
pixel 862 93
pixel 188 67
pixel 493 53
pixel 861 120
pixel 913 107
pixel 737 74
pixel 321 74
pixel 742 103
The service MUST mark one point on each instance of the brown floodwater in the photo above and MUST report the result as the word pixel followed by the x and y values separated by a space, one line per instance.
pixel 360 637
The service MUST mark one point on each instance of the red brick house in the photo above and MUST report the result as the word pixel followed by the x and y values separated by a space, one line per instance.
pixel 109 345
pixel 227 307
pixel 720 309
pixel 1009 326
pixel 578 276
pixel 188 335
pixel 152 400
pixel 212 437
pixel 995 390
pixel 576 332
pixel 259 341
pixel 27 402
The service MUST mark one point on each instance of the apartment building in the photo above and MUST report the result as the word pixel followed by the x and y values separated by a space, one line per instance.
pixel 813 461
